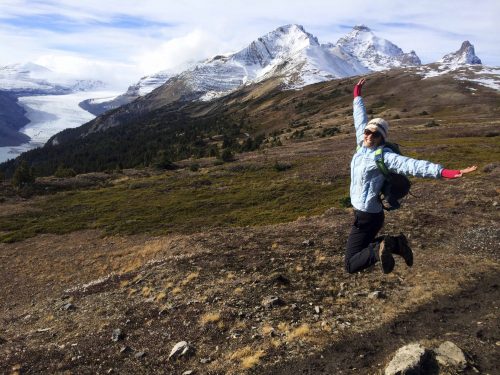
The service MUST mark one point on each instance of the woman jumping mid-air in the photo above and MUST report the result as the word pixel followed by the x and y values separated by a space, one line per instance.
pixel 363 247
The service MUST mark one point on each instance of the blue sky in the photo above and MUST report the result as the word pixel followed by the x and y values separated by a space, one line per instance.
pixel 121 40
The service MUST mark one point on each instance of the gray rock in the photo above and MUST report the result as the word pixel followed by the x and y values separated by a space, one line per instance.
pixel 450 355
pixel 117 335
pixel 188 372
pixel 205 360
pixel 408 360
pixel 308 243
pixel 68 307
pixel 272 301
pixel 181 349
pixel 139 355
pixel 376 295
pixel 125 350
pixel 317 309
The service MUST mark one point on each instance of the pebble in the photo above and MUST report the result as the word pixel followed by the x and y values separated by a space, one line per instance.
pixel 272 301
pixel 68 307
pixel 117 335
pixel 125 349
pixel 139 355
pixel 181 349
pixel 378 294
pixel 308 243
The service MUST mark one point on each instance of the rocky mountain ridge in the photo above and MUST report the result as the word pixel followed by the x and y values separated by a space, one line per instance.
pixel 289 52
pixel 465 55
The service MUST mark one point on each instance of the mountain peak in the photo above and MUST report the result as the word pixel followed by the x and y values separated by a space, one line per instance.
pixel 293 31
pixel 465 55
pixel 375 53
pixel 361 28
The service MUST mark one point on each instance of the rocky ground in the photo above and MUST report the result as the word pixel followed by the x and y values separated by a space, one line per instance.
pixel 271 299
pixel 268 299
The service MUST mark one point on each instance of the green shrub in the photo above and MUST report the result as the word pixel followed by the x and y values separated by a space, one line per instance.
pixel 23 175
pixel 227 155
pixel 345 201
pixel 280 167
pixel 62 172
pixel 328 132
pixel 162 161
pixel 431 124
pixel 195 167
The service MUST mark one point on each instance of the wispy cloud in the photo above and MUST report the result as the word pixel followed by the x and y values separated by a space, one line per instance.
pixel 152 35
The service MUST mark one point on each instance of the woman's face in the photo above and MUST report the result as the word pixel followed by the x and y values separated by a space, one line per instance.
pixel 372 139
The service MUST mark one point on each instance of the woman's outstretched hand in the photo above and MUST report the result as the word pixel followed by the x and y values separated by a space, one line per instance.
pixel 361 82
pixel 357 88
pixel 467 170
pixel 455 173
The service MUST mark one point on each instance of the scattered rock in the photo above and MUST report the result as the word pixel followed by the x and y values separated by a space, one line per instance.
pixel 41 330
pixel 317 309
pixel 117 335
pixel 378 294
pixel 308 243
pixel 68 307
pixel 181 349
pixel 125 350
pixel 450 355
pixel 188 372
pixel 359 294
pixel 272 301
pixel 140 354
pixel 205 360
pixel 408 360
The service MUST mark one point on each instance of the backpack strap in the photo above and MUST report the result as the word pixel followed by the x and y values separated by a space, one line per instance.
pixel 379 160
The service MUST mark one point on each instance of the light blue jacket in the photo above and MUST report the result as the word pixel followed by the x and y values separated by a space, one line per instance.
pixel 366 179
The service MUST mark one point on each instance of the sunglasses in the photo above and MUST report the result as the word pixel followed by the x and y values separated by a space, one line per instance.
pixel 374 134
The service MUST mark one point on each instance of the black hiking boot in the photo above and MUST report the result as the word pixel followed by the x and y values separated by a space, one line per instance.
pixel 403 249
pixel 385 254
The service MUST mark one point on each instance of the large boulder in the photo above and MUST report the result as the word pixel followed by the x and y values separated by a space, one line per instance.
pixel 408 360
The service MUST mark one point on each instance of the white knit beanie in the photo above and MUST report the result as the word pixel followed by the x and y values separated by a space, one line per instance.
pixel 380 125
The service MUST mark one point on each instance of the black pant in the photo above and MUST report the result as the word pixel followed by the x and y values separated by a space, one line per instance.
pixel 362 246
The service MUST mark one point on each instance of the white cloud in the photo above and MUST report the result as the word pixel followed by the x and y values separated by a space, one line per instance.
pixel 153 35
pixel 116 75
pixel 176 53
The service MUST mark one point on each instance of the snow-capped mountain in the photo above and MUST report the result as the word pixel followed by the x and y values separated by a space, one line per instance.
pixel 33 79
pixel 373 52
pixel 289 53
pixel 293 55
pixel 465 55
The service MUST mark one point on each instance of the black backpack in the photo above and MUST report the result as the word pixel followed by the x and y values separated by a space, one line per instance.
pixel 396 186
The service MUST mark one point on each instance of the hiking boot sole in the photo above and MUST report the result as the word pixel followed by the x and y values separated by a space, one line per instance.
pixel 404 250
pixel 386 258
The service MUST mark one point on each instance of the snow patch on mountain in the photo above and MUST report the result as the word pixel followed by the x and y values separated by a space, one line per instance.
pixel 33 79
pixel 465 55
pixel 375 53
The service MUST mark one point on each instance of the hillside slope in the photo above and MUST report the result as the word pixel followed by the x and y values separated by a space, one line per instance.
pixel 194 254
pixel 178 130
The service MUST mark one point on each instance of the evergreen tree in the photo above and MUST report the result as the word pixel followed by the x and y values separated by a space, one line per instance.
pixel 23 175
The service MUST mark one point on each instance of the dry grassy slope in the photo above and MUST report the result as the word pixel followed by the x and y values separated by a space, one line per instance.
pixel 206 287
pixel 266 107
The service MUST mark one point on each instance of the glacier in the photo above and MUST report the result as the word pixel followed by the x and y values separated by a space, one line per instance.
pixel 50 114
